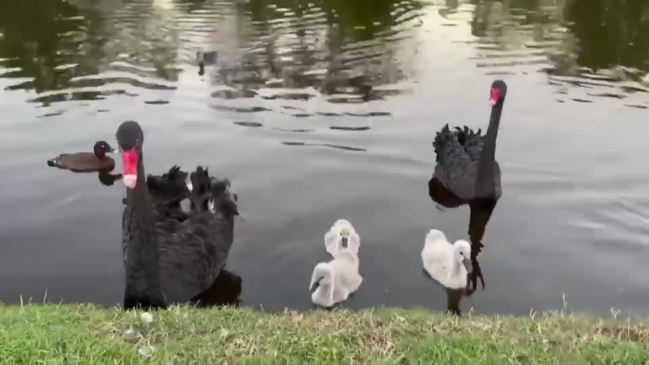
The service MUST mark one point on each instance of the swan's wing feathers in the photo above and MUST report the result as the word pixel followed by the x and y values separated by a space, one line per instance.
pixel 222 200
pixel 447 145
pixel 169 188
pixel 186 271
pixel 448 150
pixel 473 142
pixel 193 256
pixel 200 179
pixel 169 224
pixel 219 186
pixel 173 175
pixel 457 156
pixel 194 253
pixel 175 171
pixel 469 139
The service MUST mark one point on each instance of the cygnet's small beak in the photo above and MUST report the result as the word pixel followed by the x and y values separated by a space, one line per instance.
pixel 344 241
pixel 314 285
pixel 468 265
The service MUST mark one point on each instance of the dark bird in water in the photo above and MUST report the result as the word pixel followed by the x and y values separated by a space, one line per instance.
pixel 466 160
pixel 171 257
pixel 86 161
pixel 205 58
pixel 108 179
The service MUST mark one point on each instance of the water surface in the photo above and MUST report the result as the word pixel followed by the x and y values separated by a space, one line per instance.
pixel 318 110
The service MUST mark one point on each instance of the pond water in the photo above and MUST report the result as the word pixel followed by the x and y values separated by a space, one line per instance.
pixel 324 109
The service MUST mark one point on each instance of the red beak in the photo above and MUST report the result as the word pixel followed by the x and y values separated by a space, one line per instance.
pixel 129 162
pixel 494 96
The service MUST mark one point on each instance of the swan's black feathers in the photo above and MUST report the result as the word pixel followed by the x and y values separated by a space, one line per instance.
pixel 222 198
pixel 447 145
pixel 193 246
pixel 167 190
pixel 453 162
pixel 194 254
pixel 457 154
pixel 200 180
pixel 471 141
pixel 467 139
pixel 168 185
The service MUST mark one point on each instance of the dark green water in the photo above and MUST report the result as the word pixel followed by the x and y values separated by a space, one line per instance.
pixel 324 109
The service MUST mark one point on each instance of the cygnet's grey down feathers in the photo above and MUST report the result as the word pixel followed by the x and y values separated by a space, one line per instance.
pixel 336 280
pixel 447 263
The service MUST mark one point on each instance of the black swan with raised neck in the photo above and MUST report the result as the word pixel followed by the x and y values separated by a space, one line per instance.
pixel 466 159
pixel 171 258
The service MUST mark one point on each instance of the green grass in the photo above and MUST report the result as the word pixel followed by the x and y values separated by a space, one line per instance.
pixel 85 334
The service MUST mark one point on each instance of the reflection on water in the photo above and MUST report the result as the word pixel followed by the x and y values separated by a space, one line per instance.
pixel 345 148
pixel 286 50
pixel 599 46
pixel 108 179
pixel 226 290
pixel 87 51
pixel 328 107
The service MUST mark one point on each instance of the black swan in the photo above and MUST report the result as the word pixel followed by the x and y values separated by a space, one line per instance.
pixel 467 173
pixel 171 259
pixel 86 161
pixel 466 160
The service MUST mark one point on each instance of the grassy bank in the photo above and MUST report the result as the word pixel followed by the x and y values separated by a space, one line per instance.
pixel 88 334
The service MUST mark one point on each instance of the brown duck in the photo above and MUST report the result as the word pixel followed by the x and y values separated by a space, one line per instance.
pixel 86 161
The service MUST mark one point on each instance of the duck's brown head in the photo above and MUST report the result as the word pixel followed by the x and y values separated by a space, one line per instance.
pixel 101 148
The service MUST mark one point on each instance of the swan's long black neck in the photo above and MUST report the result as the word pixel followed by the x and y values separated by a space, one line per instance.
pixel 485 185
pixel 143 284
